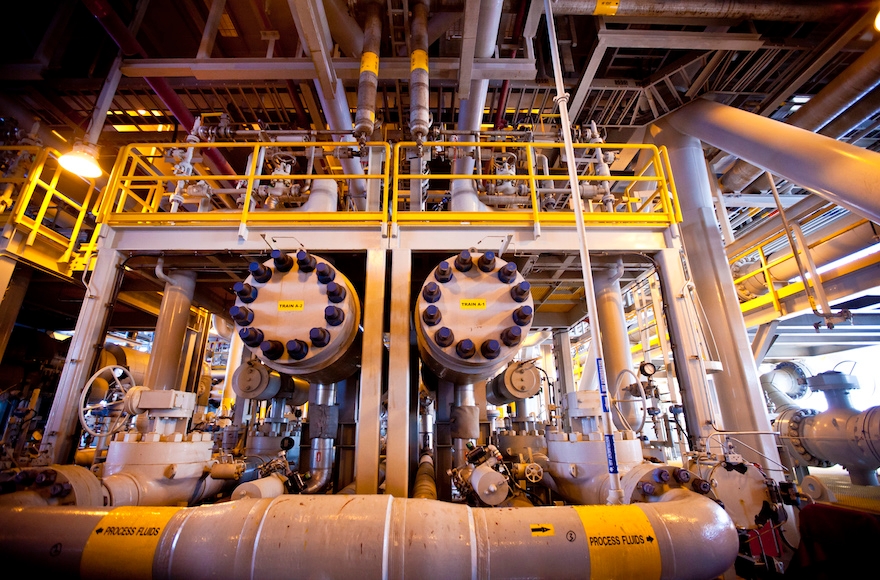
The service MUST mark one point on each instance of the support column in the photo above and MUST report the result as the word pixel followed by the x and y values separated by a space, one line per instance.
pixel 737 386
pixel 88 337
pixel 14 281
pixel 398 452
pixel 367 439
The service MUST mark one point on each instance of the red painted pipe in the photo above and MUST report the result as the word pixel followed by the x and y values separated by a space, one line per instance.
pixel 129 46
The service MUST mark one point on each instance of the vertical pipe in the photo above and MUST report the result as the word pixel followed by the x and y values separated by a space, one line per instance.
pixel 464 397
pixel 165 357
pixel 321 451
pixel 470 113
pixel 615 492
pixel 419 91
pixel 738 387
pixel 368 82
pixel 505 86
pixel 615 338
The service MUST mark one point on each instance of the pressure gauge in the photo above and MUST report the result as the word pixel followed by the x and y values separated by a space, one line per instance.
pixel 648 369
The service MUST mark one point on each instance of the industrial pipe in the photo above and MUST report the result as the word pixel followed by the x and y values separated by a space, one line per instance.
pixel 865 108
pixel 463 194
pixel 847 88
pixel 688 537
pixel 426 483
pixel 323 424
pixel 615 340
pixel 368 82
pixel 850 241
pixel 168 339
pixel 841 435
pixel 419 92
pixel 841 173
pixel 129 45
pixel 505 85
pixel 788 10
pixel 323 197
pixel 344 28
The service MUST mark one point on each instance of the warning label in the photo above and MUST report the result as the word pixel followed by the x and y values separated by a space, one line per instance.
pixel 621 540
pixel 291 305
pixel 124 542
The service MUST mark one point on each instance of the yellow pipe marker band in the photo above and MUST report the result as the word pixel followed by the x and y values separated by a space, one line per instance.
pixel 370 62
pixel 418 59
pixel 622 542
pixel 124 543
pixel 606 7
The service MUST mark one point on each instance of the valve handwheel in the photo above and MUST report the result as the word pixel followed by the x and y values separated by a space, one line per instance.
pixel 534 472
pixel 107 416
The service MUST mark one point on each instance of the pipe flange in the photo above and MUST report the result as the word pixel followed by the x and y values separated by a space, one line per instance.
pixel 796 441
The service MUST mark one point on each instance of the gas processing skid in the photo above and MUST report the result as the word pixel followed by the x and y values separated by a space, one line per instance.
pixel 469 353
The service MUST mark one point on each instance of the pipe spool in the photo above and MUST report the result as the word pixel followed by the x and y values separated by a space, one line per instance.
pixel 304 320
pixel 686 536
pixel 470 316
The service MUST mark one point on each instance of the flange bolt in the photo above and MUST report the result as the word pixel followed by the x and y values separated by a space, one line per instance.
pixel 431 316
pixel 245 292
pixel 522 316
pixel 283 262
pixel 259 272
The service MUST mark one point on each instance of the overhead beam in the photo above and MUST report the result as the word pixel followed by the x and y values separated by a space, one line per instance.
pixel 758 200
pixel 468 46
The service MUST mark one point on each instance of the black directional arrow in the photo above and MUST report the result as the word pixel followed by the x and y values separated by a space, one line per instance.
pixel 540 529
pixel 650 539
pixel 99 530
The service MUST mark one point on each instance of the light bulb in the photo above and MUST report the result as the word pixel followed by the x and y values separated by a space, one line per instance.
pixel 877 22
pixel 81 160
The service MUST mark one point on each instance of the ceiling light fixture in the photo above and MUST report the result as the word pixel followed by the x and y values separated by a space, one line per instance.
pixel 82 160
pixel 877 22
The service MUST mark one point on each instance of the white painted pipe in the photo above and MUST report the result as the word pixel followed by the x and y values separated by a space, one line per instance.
pixel 338 114
pixel 615 339
pixel 463 193
pixel 379 536
pixel 344 28
pixel 323 197
pixel 838 172
pixel 168 340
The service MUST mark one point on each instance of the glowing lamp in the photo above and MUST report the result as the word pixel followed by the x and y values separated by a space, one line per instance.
pixel 82 160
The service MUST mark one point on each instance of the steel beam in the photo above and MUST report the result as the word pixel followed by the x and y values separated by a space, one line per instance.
pixel 398 451
pixel 764 338
pixel 209 35
pixel 468 45
pixel 367 443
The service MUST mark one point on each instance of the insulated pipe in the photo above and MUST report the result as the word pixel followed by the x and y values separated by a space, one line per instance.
pixel 168 339
pixel 426 483
pixel 368 82
pixel 789 10
pixel 688 537
pixel 866 108
pixel 419 92
pixel 323 196
pixel 843 174
pixel 338 116
pixel 847 243
pixel 470 115
pixel 129 45
pixel 737 387
pixel 321 423
pixel 615 339
pixel 847 88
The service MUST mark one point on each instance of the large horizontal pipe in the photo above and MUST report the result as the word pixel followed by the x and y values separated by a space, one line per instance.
pixel 854 83
pixel 794 10
pixel 838 172
pixel 374 536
